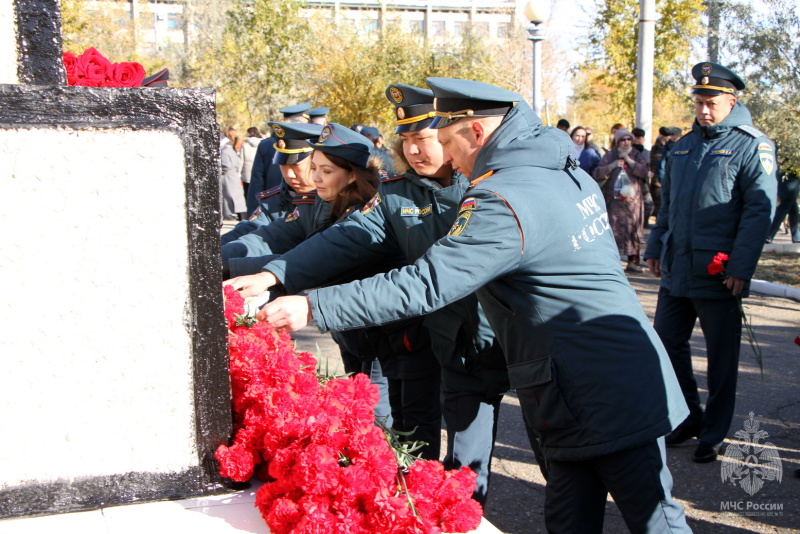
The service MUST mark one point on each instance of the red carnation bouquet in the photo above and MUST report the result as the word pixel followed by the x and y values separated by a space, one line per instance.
pixel 717 267
pixel 327 466
pixel 92 69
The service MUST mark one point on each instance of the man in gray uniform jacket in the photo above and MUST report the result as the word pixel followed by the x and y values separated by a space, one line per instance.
pixel 718 195
pixel 532 240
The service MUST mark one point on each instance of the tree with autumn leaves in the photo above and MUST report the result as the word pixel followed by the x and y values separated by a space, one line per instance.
pixel 605 84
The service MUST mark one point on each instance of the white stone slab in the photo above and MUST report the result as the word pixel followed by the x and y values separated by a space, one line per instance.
pixel 8 43
pixel 82 522
pixel 98 360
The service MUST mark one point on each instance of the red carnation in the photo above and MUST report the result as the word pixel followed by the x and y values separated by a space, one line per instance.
pixel 717 265
pixel 797 340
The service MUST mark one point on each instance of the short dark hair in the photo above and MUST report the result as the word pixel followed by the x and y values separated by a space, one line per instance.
pixel 638 132
pixel 253 132
pixel 562 123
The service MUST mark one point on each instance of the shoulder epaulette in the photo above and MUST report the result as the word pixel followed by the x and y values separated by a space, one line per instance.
pixel 750 130
pixel 269 192
pixel 304 198
pixel 387 178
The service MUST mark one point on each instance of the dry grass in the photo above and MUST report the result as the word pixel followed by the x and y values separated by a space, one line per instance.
pixel 783 269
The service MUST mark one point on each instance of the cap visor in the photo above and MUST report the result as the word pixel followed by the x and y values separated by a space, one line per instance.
pixel 414 126
pixel 289 159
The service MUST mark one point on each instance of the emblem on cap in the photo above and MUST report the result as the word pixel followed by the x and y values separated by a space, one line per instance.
pixel 281 143
pixel 706 68
pixel 397 95
pixel 704 80
pixel 278 131
pixel 325 133
pixel 401 113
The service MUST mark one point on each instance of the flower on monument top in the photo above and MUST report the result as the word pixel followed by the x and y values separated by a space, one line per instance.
pixel 93 69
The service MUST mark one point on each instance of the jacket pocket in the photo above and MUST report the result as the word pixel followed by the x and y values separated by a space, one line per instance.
pixel 704 248
pixel 540 396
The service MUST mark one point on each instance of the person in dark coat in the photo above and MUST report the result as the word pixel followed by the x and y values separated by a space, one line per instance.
pixel 718 195
pixel 788 189
pixel 586 156
pixel 532 239
pixel 296 190
pixel 264 174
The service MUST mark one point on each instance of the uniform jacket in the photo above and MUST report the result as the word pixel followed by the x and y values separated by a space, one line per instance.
pixel 718 195
pixel 532 240
pixel 309 214
pixel 264 174
pixel 274 204
pixel 408 215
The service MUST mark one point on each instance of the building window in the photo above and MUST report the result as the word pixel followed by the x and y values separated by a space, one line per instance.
pixel 371 25
pixel 458 28
pixel 438 28
pixel 416 26
pixel 480 28
pixel 503 29
pixel 147 20
pixel 173 21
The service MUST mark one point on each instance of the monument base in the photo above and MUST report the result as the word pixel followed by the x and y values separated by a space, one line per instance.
pixel 230 513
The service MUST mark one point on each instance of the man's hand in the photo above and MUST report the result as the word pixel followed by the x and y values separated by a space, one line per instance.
pixel 655 266
pixel 252 284
pixel 735 284
pixel 287 313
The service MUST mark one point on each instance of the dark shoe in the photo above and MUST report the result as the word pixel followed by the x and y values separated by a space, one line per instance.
pixel 682 432
pixel 705 453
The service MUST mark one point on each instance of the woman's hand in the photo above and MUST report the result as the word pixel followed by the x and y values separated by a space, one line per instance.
pixel 252 284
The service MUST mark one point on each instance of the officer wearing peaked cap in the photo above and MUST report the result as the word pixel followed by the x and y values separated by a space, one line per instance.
pixel 380 152
pixel 319 115
pixel 264 175
pixel 717 195
pixel 531 239
pixel 296 113
pixel 295 194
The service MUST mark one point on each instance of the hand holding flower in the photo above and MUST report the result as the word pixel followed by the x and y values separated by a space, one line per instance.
pixel 252 284
pixel 287 313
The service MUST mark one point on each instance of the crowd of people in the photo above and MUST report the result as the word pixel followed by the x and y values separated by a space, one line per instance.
pixel 485 257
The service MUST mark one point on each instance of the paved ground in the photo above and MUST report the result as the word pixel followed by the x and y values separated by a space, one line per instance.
pixel 517 496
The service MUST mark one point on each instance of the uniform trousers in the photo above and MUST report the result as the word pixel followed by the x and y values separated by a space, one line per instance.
pixel 721 322
pixel 416 408
pixel 349 347
pixel 471 422
pixel 638 479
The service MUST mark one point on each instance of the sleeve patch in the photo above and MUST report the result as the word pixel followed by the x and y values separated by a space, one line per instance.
pixel 372 204
pixel 765 146
pixel 767 161
pixel 255 214
pixel 293 216
pixel 461 223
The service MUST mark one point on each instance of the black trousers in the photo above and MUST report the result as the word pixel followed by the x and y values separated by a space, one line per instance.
pixel 639 481
pixel 721 322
